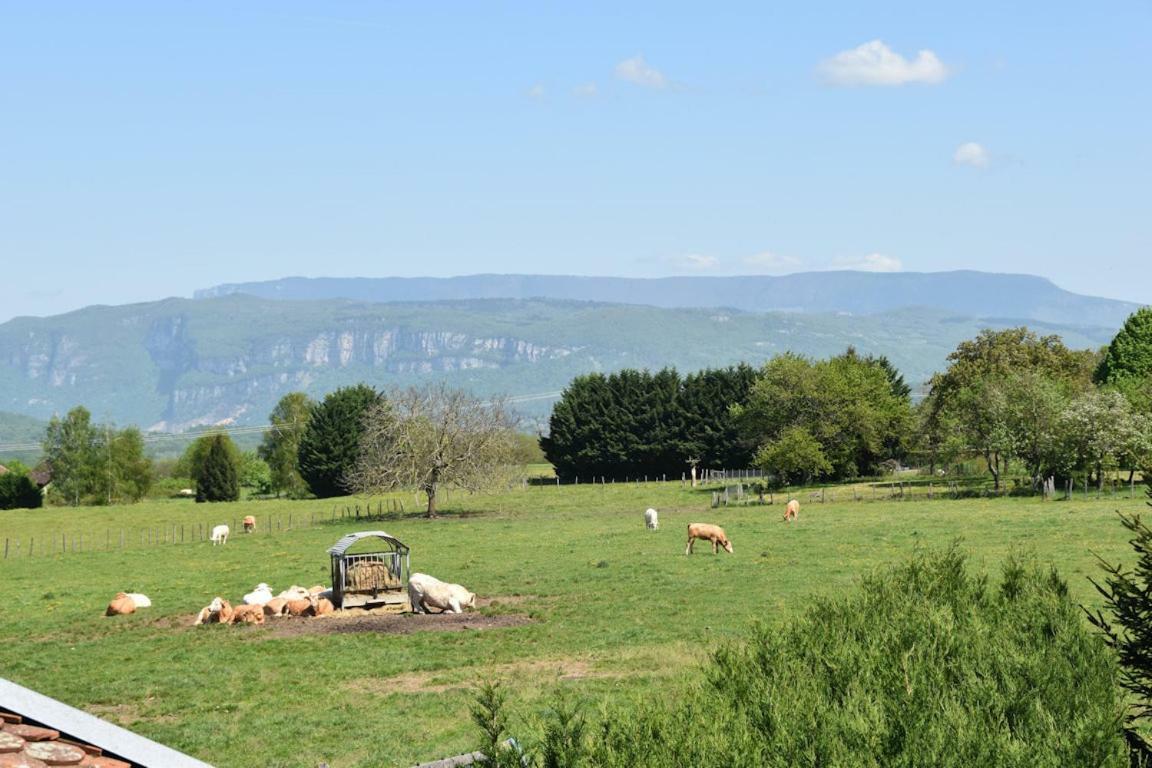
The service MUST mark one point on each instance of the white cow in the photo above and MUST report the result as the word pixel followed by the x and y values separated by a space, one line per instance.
pixel 220 535
pixel 651 519
pixel 259 596
pixel 425 592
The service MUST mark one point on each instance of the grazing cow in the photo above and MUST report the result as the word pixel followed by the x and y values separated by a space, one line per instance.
pixel 712 533
pixel 220 535
pixel 248 614
pixel 219 611
pixel 426 592
pixel 651 519
pixel 249 523
pixel 792 511
pixel 121 605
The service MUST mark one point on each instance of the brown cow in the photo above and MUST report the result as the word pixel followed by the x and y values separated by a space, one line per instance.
pixel 219 611
pixel 121 605
pixel 248 614
pixel 792 511
pixel 712 533
pixel 277 606
pixel 302 607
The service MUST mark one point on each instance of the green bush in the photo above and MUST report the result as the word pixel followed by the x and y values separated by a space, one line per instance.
pixel 17 491
pixel 924 665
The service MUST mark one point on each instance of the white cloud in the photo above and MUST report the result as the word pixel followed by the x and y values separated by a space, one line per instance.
pixel 772 262
pixel 536 91
pixel 694 261
pixel 874 63
pixel 587 90
pixel 873 262
pixel 636 70
pixel 973 154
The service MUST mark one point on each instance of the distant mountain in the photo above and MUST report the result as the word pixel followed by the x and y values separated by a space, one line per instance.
pixel 967 293
pixel 180 363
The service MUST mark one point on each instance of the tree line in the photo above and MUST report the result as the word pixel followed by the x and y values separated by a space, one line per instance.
pixel 355 440
pixel 1009 397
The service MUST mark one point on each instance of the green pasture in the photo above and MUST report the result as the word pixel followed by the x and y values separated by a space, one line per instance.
pixel 617 612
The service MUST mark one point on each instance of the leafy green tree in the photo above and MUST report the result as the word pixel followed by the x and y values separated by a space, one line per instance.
pixel 218 476
pixel 846 403
pixel 255 473
pixel 72 449
pixel 1129 356
pixel 1100 431
pixel 17 490
pixel 974 395
pixel 130 472
pixel 280 447
pixel 794 457
pixel 431 438
pixel 331 441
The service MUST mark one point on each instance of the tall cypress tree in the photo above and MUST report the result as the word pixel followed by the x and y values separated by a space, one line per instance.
pixel 219 476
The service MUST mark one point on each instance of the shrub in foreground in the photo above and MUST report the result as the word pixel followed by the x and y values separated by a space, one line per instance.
pixel 924 664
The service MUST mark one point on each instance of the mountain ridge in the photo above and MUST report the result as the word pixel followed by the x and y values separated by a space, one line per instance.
pixel 968 292
pixel 178 363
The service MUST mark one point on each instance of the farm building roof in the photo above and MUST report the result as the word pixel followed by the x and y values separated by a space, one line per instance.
pixel 340 547
pixel 36 730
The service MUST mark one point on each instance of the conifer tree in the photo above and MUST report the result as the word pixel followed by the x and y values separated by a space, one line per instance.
pixel 219 477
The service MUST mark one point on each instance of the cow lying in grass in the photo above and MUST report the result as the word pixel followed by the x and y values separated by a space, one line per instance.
pixel 426 592
pixel 219 611
pixel 712 533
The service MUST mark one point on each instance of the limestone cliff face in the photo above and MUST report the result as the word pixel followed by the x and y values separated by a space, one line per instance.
pixel 212 389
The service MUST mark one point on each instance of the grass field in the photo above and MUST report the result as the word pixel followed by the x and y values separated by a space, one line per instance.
pixel 611 611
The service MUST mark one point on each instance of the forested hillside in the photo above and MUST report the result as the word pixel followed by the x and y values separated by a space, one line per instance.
pixel 178 363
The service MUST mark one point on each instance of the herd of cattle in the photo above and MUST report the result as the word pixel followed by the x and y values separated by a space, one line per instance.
pixel 425 593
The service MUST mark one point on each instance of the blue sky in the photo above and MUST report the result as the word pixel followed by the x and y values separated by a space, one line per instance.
pixel 149 149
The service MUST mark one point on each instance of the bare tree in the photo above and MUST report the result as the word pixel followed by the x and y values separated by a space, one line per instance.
pixel 434 436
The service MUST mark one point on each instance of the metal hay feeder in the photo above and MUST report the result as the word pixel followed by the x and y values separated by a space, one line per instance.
pixel 370 578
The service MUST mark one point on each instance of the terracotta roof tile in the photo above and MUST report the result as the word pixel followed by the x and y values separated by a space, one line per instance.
pixel 32 732
pixel 20 760
pixel 30 746
pixel 54 752
pixel 104 762
pixel 10 742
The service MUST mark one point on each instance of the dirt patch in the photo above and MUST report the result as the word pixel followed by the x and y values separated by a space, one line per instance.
pixel 436 682
pixel 352 621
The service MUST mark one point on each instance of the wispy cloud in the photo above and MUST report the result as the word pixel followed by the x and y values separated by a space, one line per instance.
pixel 696 262
pixel 973 154
pixel 767 261
pixel 873 262
pixel 586 90
pixel 636 70
pixel 536 92
pixel 874 63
